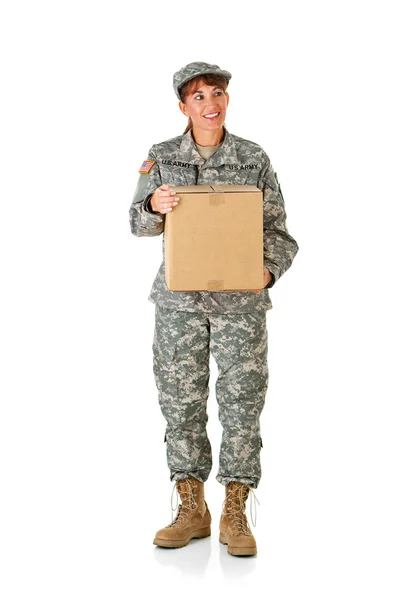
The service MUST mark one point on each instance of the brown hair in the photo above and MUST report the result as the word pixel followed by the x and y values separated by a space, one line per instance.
pixel 209 79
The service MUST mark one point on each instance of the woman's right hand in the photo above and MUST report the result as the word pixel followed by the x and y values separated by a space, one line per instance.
pixel 163 199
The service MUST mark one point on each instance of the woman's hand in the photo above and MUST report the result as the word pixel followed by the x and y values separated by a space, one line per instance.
pixel 267 279
pixel 163 199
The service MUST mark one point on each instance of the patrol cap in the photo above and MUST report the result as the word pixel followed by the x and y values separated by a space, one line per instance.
pixel 193 70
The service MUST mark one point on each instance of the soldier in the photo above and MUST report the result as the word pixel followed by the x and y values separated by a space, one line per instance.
pixel 232 325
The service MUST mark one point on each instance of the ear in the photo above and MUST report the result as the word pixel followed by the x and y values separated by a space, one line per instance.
pixel 227 98
pixel 183 108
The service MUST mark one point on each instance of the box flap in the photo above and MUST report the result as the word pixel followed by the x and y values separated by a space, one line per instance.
pixel 217 188
pixel 225 188
pixel 192 189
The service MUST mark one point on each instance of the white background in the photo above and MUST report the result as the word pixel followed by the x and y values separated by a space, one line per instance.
pixel 86 91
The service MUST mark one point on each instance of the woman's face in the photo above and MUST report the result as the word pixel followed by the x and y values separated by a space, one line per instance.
pixel 203 100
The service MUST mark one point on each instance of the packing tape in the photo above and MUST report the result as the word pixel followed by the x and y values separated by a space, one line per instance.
pixel 216 199
pixel 215 284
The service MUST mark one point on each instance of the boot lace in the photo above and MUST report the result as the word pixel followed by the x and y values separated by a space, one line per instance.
pixel 187 491
pixel 234 506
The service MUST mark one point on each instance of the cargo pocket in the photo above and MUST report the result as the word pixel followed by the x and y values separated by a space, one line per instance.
pixel 253 357
pixel 168 330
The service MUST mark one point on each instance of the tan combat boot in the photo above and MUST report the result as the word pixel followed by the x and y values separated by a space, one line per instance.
pixel 193 519
pixel 233 527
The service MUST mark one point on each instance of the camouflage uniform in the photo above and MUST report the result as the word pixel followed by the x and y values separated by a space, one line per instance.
pixel 230 324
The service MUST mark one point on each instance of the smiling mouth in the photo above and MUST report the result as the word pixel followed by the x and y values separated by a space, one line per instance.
pixel 212 116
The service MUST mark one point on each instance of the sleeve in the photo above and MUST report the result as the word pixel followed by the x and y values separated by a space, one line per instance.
pixel 280 248
pixel 143 220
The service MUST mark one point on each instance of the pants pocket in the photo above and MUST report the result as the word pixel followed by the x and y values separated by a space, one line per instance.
pixel 169 325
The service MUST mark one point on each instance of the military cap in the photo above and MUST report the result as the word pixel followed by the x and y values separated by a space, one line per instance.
pixel 193 70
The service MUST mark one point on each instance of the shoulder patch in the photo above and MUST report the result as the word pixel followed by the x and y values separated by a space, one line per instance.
pixel 147 165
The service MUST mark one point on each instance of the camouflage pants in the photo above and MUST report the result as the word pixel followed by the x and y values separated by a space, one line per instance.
pixel 181 354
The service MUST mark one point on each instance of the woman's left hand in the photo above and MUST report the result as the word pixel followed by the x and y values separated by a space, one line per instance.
pixel 267 279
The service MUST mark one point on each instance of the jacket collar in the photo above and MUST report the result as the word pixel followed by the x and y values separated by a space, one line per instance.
pixel 226 154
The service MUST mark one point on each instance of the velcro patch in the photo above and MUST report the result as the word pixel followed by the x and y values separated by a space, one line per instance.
pixel 147 165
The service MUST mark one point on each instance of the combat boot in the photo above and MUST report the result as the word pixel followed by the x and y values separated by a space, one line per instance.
pixel 193 518
pixel 234 528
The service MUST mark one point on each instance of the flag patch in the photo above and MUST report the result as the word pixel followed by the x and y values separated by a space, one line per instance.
pixel 147 166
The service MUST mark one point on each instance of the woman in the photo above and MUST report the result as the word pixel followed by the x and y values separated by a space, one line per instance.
pixel 232 325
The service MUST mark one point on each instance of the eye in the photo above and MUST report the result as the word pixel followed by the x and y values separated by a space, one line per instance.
pixel 199 96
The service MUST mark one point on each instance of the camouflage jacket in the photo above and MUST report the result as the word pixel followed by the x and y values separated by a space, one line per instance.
pixel 237 161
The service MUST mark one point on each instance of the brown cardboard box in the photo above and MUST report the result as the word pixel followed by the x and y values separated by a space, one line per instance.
pixel 213 239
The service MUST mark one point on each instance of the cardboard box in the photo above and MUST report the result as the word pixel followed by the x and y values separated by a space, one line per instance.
pixel 213 239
